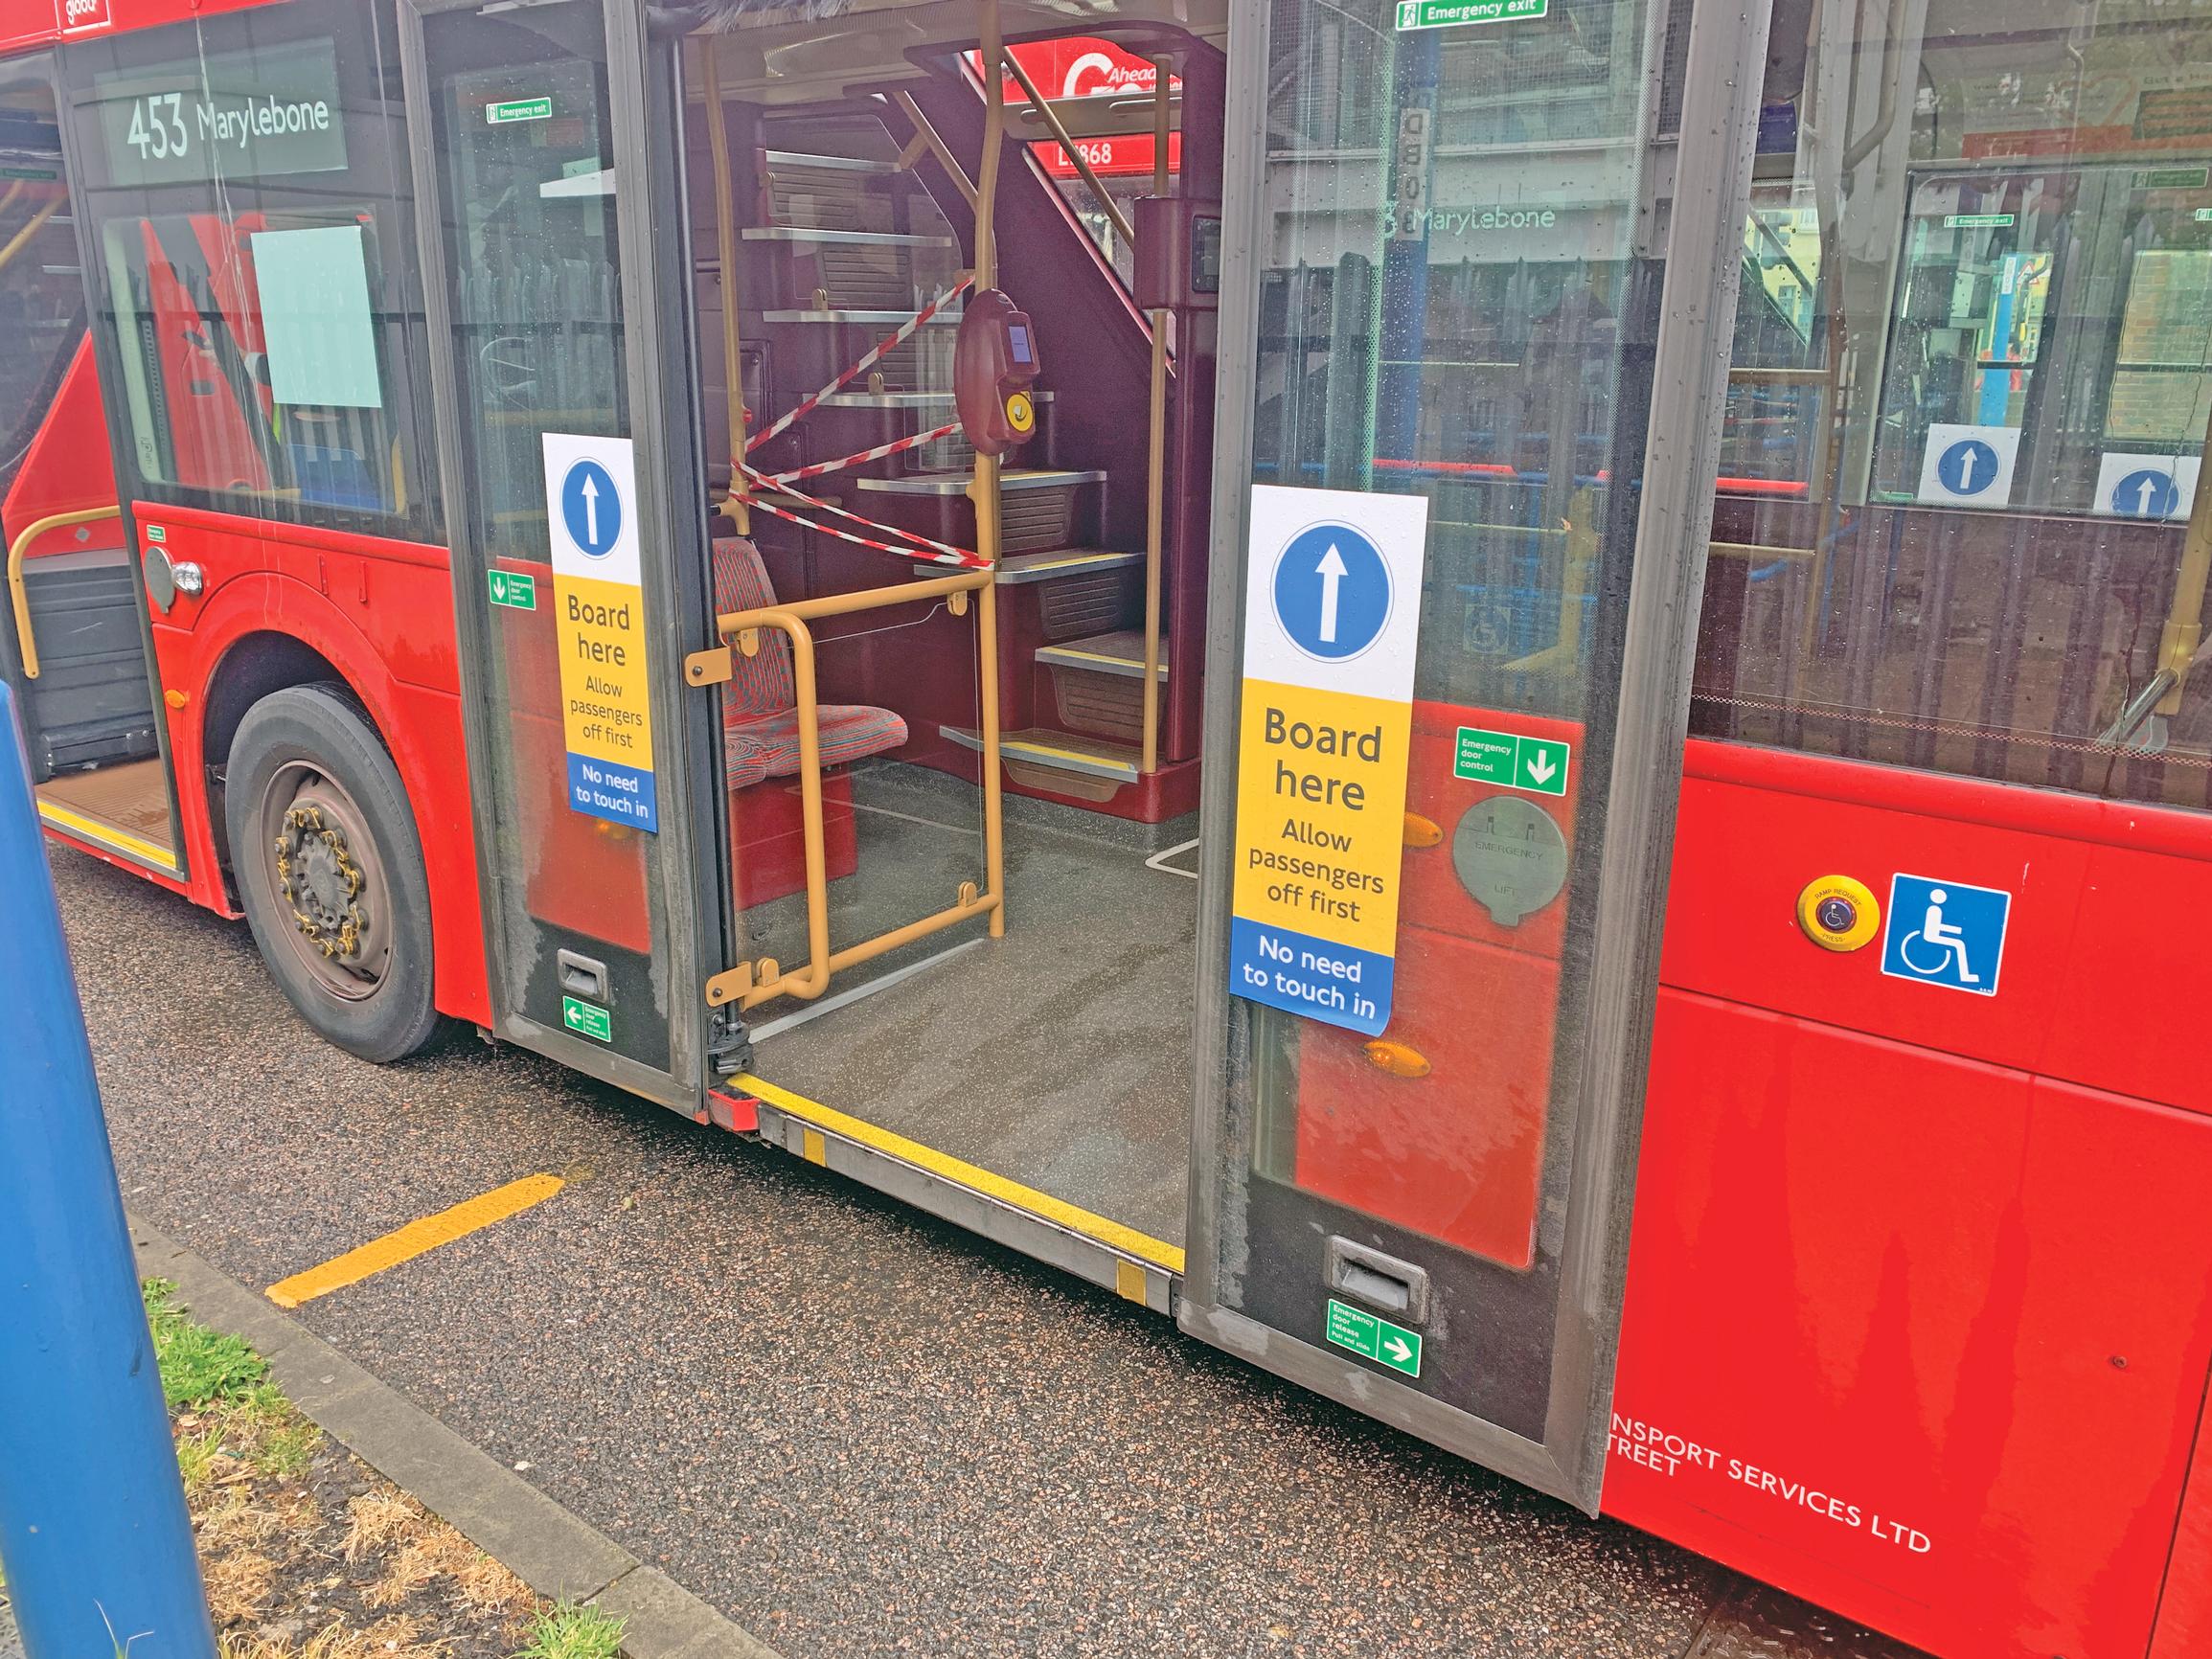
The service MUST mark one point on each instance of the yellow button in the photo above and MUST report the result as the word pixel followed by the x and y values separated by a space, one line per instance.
pixel 1021 412
pixel 1837 913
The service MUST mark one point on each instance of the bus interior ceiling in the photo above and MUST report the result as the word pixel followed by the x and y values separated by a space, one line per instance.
pixel 76 650
pixel 1058 1055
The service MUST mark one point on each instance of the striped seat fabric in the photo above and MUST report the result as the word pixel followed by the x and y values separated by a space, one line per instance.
pixel 759 714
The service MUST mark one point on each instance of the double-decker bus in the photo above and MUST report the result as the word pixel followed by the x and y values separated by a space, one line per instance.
pixel 1503 700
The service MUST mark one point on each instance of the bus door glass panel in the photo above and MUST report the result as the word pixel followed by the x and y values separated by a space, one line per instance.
pixel 1968 407
pixel 1442 319
pixel 523 150
pixel 898 688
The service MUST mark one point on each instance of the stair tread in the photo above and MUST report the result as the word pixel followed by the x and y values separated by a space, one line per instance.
pixel 942 319
pixel 778 159
pixel 903 400
pixel 849 238
pixel 956 482
pixel 1120 652
pixel 1025 567
pixel 1067 750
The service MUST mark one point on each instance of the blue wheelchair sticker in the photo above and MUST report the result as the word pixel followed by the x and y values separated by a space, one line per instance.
pixel 1944 933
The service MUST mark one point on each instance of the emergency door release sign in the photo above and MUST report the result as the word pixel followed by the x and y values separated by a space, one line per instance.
pixel 1332 619
pixel 599 628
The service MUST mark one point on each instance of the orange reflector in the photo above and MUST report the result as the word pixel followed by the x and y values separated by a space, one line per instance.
pixel 1399 1059
pixel 175 699
pixel 1420 833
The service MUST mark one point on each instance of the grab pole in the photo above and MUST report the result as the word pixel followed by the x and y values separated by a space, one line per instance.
pixel 93 1531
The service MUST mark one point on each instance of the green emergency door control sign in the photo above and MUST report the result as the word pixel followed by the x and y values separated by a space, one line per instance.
pixel 587 1020
pixel 1452 13
pixel 1536 765
pixel 511 589
pixel 1373 1338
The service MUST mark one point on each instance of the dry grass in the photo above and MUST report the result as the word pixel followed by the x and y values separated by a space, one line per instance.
pixel 305 1554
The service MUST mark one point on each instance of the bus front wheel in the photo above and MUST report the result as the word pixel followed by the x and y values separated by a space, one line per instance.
pixel 330 870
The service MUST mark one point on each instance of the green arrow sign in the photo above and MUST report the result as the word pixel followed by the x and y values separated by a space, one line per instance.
pixel 511 589
pixel 1450 13
pixel 1373 1338
pixel 587 1020
pixel 1536 765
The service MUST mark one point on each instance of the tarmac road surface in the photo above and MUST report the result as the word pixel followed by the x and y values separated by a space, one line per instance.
pixel 854 1430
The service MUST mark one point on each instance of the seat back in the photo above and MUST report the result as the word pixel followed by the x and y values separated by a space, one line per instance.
pixel 760 684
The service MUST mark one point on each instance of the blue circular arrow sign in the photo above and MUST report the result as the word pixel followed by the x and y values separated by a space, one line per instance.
pixel 2146 493
pixel 1332 592
pixel 1967 467
pixel 591 506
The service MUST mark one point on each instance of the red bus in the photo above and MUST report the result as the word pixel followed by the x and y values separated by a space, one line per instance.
pixel 1501 699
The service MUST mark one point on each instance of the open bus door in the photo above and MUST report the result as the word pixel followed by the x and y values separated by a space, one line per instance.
pixel 564 419
pixel 1447 694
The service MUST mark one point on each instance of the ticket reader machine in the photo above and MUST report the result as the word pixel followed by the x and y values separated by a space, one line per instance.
pixel 994 365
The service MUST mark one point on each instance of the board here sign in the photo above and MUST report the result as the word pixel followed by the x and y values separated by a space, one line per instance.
pixel 1333 615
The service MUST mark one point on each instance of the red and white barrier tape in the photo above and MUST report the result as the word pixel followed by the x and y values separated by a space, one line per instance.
pixel 950 556
pixel 905 332
pixel 896 446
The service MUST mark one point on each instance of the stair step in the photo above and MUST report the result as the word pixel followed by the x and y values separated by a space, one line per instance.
pixel 783 159
pixel 942 319
pixel 1121 652
pixel 903 400
pixel 1056 751
pixel 1019 568
pixel 956 482
pixel 843 238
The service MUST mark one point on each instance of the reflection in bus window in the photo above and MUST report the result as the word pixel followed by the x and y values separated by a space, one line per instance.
pixel 250 238
pixel 42 289
pixel 1969 403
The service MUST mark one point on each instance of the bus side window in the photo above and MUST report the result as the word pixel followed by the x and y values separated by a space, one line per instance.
pixel 250 270
pixel 1966 419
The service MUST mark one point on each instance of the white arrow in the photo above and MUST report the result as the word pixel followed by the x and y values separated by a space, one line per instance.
pixel 2149 491
pixel 1332 574
pixel 590 513
pixel 498 585
pixel 1397 1349
pixel 1540 767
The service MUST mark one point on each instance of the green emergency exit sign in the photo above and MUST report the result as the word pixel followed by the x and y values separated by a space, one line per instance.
pixel 1452 13
pixel 1536 765
pixel 1373 1338
pixel 1976 221
pixel 587 1020
pixel 518 109
pixel 511 589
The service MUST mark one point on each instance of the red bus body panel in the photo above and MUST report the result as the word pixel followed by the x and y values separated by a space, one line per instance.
pixel 381 612
pixel 25 24
pixel 1918 1319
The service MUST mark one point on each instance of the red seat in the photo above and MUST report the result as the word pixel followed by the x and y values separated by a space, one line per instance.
pixel 759 707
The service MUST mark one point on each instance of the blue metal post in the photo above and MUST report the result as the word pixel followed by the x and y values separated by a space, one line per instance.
pixel 93 1530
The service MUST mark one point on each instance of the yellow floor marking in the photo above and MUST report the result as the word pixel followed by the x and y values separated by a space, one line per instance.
pixel 107 835
pixel 413 1240
pixel 1112 1233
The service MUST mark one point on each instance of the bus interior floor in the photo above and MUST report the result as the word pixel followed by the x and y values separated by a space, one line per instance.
pixel 1058 1056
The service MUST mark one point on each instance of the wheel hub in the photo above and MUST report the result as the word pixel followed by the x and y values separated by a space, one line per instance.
pixel 321 881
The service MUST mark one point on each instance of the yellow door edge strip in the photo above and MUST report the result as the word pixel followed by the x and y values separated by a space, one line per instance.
pixel 1097 1228
pixel 106 835
pixel 411 1241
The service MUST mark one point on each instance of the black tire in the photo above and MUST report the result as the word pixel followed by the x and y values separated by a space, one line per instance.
pixel 330 868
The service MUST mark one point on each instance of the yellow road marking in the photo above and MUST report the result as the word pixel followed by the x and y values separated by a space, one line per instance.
pixel 1112 1233
pixel 107 835
pixel 413 1240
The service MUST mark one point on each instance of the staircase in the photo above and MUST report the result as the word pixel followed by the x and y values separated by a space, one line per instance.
pixel 843 246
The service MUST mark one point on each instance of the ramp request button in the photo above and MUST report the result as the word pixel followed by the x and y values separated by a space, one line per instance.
pixel 1838 913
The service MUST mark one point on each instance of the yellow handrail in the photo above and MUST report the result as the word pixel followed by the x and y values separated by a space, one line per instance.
pixel 1157 479
pixel 26 646
pixel 29 230
pixel 753 983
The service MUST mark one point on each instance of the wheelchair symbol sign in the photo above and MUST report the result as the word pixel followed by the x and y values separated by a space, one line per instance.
pixel 1946 933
